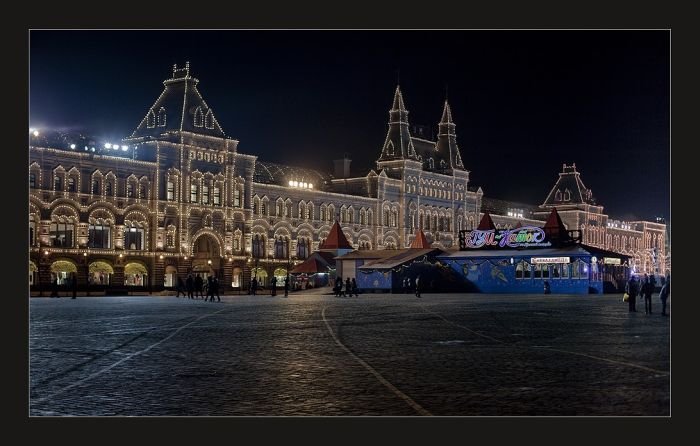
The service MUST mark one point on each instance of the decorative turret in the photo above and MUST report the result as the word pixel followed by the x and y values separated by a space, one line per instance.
pixel 447 139
pixel 398 144
pixel 180 107
pixel 569 189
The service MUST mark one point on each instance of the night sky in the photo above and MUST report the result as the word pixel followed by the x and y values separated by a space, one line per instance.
pixel 524 102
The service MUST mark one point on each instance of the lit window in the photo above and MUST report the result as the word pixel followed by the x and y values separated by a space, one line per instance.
pixel 193 193
pixel 205 194
pixel 129 190
pixel 133 238
pixel 217 195
pixel 237 198
pixel 98 236
pixel 71 184
pixel 95 187
pixel 32 180
pixel 61 234
pixel 170 191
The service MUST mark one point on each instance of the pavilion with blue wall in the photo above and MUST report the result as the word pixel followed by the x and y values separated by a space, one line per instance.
pixel 522 259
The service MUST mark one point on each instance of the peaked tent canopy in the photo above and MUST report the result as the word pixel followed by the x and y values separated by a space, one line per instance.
pixel 336 239
pixel 420 242
pixel 486 223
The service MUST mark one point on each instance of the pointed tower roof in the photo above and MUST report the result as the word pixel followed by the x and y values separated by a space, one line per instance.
pixel 420 241
pixel 446 144
pixel 336 239
pixel 180 107
pixel 554 227
pixel 398 144
pixel 486 223
pixel 518 225
pixel 569 189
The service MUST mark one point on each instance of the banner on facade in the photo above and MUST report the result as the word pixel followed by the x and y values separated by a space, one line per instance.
pixel 525 237
pixel 538 260
pixel 611 261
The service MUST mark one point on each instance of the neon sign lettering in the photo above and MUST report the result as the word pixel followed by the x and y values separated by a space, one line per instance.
pixel 527 236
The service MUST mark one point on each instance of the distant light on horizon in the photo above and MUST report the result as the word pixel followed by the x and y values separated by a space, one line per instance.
pixel 72 146
pixel 125 148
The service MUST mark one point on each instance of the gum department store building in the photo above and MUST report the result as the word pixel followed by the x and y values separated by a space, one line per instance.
pixel 178 197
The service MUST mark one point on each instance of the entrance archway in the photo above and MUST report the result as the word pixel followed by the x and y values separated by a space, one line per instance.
pixel 206 258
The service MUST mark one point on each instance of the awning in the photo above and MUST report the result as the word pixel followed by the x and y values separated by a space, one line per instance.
pixel 63 266
pixel 32 267
pixel 135 268
pixel 258 272
pixel 101 267
pixel 280 272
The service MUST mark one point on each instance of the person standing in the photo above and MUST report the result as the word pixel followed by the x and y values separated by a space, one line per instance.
pixel 54 287
pixel 199 287
pixel 348 287
pixel 646 290
pixel 355 291
pixel 338 286
pixel 190 286
pixel 74 285
pixel 286 286
pixel 180 287
pixel 418 285
pixel 254 286
pixel 664 293
pixel 632 289
pixel 273 286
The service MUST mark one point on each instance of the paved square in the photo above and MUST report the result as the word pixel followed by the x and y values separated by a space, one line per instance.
pixel 373 355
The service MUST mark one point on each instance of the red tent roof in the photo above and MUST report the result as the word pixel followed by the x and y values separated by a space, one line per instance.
pixel 420 242
pixel 310 266
pixel 554 226
pixel 518 225
pixel 336 239
pixel 486 223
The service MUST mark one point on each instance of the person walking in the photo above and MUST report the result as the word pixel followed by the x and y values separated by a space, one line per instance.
pixel 348 287
pixel 273 286
pixel 338 286
pixel 210 289
pixel 355 291
pixel 190 286
pixel 180 288
pixel 254 286
pixel 74 285
pixel 418 285
pixel 664 293
pixel 286 286
pixel 632 288
pixel 199 287
pixel 215 284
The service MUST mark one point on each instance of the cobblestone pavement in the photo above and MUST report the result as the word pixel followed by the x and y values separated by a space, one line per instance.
pixel 383 355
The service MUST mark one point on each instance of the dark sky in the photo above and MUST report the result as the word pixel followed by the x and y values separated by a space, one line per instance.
pixel 524 102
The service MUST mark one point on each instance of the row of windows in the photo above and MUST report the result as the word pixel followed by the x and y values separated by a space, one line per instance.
pixel 574 270
pixel 95 187
pixel 99 236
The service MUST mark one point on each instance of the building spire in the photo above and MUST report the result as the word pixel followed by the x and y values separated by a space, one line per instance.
pixel 447 139
pixel 398 144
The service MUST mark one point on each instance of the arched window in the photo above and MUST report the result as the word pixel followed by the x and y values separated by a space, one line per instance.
pixel 143 191
pixel 198 117
pixel 303 248
pixel 370 219
pixel 322 214
pixel 32 180
pixel 151 119
pixel 281 248
pixel 386 221
pixel 209 120
pixel 256 205
pixel 331 212
pixel 161 117
pixel 288 209
pixel 71 184
pixel 522 270
pixel 217 195
pixel 95 188
pixel 279 208
pixel 237 198
pixel 557 195
pixel 258 246
pixel 567 195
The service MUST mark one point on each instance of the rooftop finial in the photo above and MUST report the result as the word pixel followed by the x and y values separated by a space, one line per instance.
pixel 447 91
pixel 398 76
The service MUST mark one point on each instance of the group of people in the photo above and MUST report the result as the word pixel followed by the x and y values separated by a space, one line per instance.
pixel 255 285
pixel 406 285
pixel 645 287
pixel 346 289
pixel 196 288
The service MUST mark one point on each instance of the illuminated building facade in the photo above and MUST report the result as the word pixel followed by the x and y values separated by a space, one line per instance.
pixel 176 197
